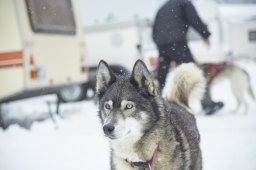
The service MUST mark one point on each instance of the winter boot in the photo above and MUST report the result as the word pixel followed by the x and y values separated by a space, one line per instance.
pixel 212 108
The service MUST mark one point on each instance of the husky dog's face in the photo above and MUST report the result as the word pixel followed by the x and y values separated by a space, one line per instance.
pixel 126 104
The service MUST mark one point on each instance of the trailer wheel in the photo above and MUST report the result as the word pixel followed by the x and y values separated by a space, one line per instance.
pixel 90 90
pixel 72 93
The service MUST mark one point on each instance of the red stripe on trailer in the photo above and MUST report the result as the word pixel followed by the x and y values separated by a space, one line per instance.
pixel 11 59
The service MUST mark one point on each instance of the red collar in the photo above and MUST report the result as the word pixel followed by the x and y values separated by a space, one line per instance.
pixel 144 165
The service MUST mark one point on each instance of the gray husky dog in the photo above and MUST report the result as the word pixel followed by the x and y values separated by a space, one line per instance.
pixel 146 131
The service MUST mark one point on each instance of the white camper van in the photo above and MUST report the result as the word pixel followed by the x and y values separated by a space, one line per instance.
pixel 41 48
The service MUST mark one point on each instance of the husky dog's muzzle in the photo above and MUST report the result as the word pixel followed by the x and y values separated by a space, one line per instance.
pixel 108 129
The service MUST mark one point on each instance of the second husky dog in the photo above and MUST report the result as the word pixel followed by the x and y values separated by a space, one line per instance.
pixel 240 84
pixel 145 131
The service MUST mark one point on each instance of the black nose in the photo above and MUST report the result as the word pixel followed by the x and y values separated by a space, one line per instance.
pixel 108 129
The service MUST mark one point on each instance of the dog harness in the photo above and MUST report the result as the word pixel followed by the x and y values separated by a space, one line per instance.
pixel 144 165
pixel 213 69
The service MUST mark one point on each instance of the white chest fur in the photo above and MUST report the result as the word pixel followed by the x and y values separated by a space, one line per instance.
pixel 125 148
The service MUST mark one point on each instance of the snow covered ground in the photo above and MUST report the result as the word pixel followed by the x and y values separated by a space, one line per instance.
pixel 76 141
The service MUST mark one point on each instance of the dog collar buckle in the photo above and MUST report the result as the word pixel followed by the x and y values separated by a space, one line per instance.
pixel 140 165
pixel 144 165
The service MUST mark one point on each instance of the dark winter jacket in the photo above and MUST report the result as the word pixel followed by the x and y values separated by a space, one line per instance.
pixel 172 22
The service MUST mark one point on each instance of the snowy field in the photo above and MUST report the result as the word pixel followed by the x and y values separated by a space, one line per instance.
pixel 76 141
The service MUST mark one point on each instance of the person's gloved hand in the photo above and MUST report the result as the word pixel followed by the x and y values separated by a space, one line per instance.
pixel 207 42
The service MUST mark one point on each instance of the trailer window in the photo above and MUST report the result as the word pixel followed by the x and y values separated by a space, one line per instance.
pixel 51 16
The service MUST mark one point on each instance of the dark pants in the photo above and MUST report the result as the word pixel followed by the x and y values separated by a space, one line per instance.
pixel 207 99
pixel 175 52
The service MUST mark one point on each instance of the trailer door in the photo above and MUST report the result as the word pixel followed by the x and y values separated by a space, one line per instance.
pixel 11 53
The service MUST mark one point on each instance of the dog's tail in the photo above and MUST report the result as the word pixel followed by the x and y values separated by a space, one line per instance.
pixel 188 81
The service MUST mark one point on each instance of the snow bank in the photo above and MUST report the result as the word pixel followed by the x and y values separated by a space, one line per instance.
pixel 77 142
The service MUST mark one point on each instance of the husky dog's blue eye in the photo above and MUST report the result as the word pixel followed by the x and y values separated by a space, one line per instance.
pixel 107 106
pixel 129 106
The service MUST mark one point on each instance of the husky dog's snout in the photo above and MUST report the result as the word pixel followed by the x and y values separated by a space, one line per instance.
pixel 108 129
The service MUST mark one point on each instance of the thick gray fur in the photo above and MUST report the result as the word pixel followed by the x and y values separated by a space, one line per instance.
pixel 166 124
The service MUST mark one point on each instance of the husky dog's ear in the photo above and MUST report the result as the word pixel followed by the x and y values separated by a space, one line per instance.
pixel 104 78
pixel 142 78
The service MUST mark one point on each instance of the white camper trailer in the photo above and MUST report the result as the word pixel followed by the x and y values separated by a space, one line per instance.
pixel 41 48
pixel 115 42
pixel 243 45
pixel 119 43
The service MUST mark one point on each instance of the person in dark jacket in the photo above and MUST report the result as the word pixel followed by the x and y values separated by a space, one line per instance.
pixel 169 34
